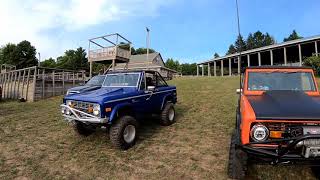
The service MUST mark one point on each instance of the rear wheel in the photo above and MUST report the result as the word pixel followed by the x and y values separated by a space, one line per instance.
pixel 123 133
pixel 237 165
pixel 83 129
pixel 168 115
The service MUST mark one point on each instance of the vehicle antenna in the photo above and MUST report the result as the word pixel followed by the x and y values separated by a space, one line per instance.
pixel 240 49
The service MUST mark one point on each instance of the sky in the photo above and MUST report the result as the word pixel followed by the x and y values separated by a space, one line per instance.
pixel 189 31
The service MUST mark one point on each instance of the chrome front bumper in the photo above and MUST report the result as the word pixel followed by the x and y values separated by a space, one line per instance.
pixel 76 115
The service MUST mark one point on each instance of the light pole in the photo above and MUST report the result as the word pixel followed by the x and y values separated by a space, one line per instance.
pixel 148 42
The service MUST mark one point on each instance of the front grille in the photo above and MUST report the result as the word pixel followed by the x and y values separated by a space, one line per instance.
pixel 82 106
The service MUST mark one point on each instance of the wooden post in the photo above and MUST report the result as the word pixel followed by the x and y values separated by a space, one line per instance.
pixel 53 83
pixel 28 78
pixel 4 86
pixel 221 67
pixel 43 83
pixel 209 71
pixel 230 69
pixel 316 48
pixel 34 83
pixel 285 55
pixel 10 85
pixel 214 68
pixel 19 78
pixel 23 77
pixel 300 55
pixel 248 59
pixel 271 57
pixel 259 58
pixel 15 85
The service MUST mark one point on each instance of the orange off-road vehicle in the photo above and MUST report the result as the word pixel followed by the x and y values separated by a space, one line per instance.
pixel 277 120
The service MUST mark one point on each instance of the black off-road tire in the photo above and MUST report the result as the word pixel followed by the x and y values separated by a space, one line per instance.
pixel 82 129
pixel 237 165
pixel 316 171
pixel 165 115
pixel 117 129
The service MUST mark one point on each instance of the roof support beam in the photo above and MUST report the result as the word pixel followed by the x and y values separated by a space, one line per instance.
pixel 259 58
pixel 285 55
pixel 108 41
pixel 202 69
pixel 271 57
pixel 248 59
pixel 230 67
pixel 215 68
pixel 221 67
pixel 197 70
pixel 316 47
pixel 239 63
pixel 300 55
pixel 209 71
pixel 97 44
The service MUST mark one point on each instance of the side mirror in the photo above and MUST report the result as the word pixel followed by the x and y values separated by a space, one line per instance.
pixel 151 88
pixel 239 91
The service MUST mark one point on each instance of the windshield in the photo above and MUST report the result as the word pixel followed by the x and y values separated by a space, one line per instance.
pixel 96 81
pixel 266 81
pixel 122 80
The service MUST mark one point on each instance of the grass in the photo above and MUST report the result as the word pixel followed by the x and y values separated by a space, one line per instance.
pixel 35 143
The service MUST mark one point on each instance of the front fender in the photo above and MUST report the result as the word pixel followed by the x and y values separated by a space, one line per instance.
pixel 116 108
pixel 165 99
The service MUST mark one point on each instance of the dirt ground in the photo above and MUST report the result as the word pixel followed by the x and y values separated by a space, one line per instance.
pixel 35 143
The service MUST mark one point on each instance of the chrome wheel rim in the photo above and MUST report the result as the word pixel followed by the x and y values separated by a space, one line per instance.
pixel 171 114
pixel 129 133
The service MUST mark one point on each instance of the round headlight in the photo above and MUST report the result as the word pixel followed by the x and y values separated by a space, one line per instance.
pixel 68 112
pixel 63 110
pixel 96 110
pixel 259 132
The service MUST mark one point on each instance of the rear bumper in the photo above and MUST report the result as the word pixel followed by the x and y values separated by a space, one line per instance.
pixel 76 115
pixel 280 151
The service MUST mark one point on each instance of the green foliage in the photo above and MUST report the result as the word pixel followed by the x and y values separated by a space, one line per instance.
pixel 73 60
pixel 314 62
pixel 231 49
pixel 294 35
pixel 216 55
pixel 172 64
pixel 240 44
pixel 142 51
pixel 49 63
pixel 189 69
pixel 21 55
pixel 255 40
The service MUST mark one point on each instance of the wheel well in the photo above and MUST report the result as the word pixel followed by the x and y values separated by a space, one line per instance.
pixel 125 111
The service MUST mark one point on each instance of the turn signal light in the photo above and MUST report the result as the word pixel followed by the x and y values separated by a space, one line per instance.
pixel 90 109
pixel 276 134
pixel 108 109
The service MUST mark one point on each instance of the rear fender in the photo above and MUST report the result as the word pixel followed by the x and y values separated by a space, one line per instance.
pixel 117 108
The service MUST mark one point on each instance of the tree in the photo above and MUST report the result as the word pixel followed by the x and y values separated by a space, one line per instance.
pixel 240 44
pixel 216 55
pixel 49 63
pixel 294 35
pixel 231 49
pixel 314 62
pixel 172 64
pixel 143 51
pixel 268 40
pixel 73 60
pixel 21 55
pixel 258 39
pixel 250 42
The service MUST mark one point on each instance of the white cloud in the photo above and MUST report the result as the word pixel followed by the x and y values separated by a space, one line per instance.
pixel 43 22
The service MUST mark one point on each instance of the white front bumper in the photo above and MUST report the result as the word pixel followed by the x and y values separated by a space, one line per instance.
pixel 76 115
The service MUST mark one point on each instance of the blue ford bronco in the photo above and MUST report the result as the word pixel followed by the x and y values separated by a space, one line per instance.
pixel 124 98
